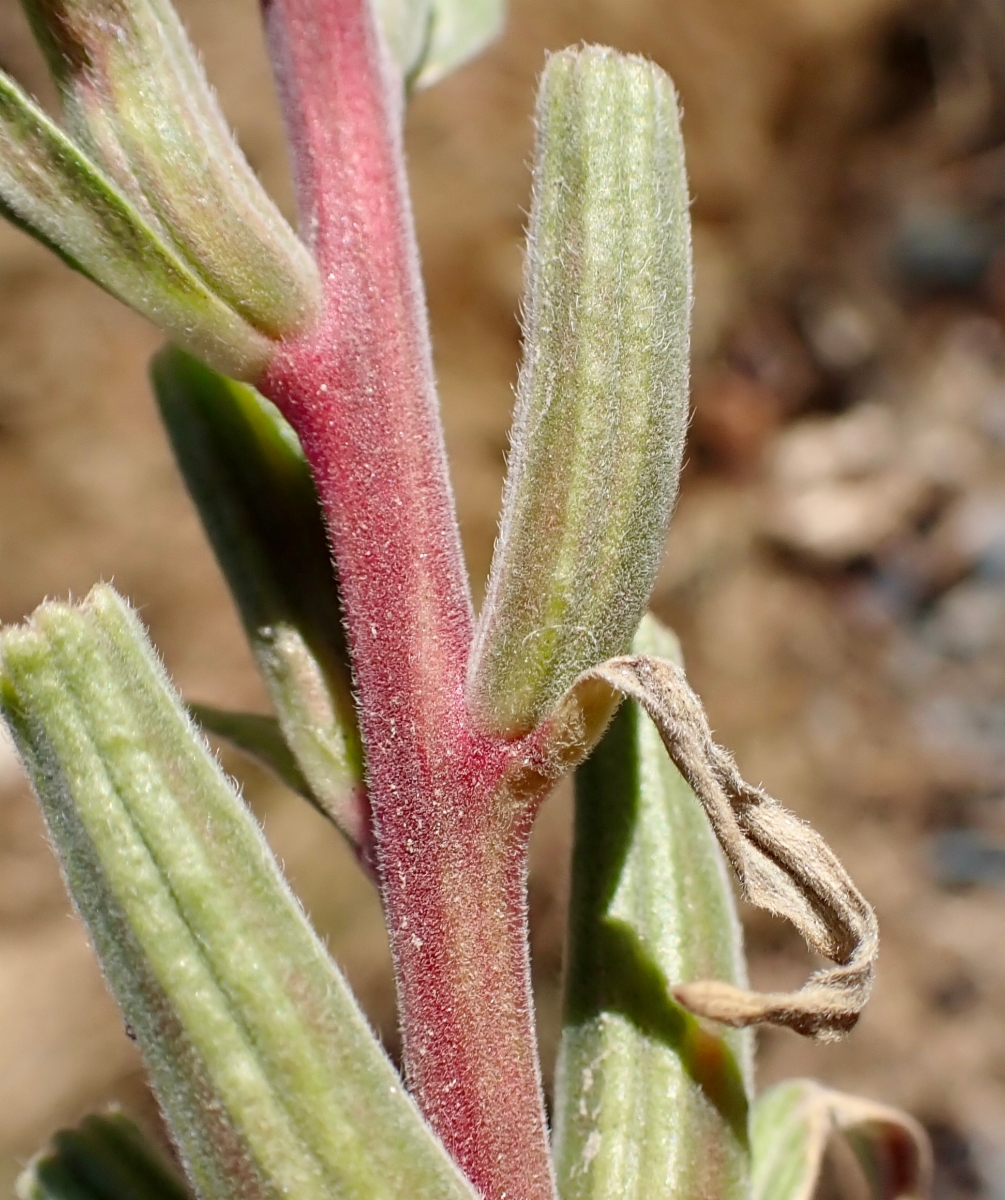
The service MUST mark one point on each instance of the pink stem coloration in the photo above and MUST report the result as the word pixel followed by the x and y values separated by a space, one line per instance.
pixel 359 391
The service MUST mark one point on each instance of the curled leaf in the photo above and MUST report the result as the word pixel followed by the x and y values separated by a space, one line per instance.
pixel 877 1152
pixel 781 863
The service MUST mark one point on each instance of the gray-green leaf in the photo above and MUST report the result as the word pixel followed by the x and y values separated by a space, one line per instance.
pixel 136 99
pixel 266 1070
pixel 460 29
pixel 259 736
pixel 602 400
pixel 648 1103
pixel 254 491
pixel 52 189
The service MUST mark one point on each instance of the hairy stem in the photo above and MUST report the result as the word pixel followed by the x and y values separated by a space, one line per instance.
pixel 359 391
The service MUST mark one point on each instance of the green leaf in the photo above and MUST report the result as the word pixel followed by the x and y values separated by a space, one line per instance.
pixel 265 1069
pixel 254 491
pixel 603 394
pixel 55 192
pixel 430 38
pixel 104 1158
pixel 649 1102
pixel 803 1132
pixel 136 99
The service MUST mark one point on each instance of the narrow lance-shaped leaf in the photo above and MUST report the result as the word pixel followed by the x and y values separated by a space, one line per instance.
pixel 802 1132
pixel 249 479
pixel 49 187
pixel 104 1158
pixel 648 1102
pixel 265 1069
pixel 602 398
pixel 136 98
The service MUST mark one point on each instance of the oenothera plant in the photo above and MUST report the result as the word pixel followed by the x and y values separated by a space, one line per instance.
pixel 298 396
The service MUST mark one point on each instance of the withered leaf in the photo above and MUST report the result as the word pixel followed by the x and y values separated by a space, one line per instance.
pixel 782 864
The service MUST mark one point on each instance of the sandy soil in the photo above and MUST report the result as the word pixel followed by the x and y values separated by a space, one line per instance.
pixel 836 567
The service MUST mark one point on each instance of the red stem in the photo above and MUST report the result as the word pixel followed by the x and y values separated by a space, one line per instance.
pixel 359 391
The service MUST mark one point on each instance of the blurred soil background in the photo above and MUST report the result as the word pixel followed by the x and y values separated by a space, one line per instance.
pixel 836 567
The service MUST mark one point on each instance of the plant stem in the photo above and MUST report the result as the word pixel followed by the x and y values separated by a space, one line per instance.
pixel 359 391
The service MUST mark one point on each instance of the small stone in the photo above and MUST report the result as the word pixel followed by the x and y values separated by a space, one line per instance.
pixel 841 334
pixel 816 449
pixel 840 521
pixel 968 621
pixel 962 857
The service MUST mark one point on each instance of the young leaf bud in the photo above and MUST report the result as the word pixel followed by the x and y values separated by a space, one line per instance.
pixel 135 98
pixel 406 26
pixel 50 188
pixel 648 1102
pixel 602 399
pixel 428 39
pixel 265 1069
pixel 458 30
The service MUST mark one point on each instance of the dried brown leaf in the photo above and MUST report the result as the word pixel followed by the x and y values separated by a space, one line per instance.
pixel 782 864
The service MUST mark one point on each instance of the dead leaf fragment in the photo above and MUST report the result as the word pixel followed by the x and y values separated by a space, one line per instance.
pixel 782 864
